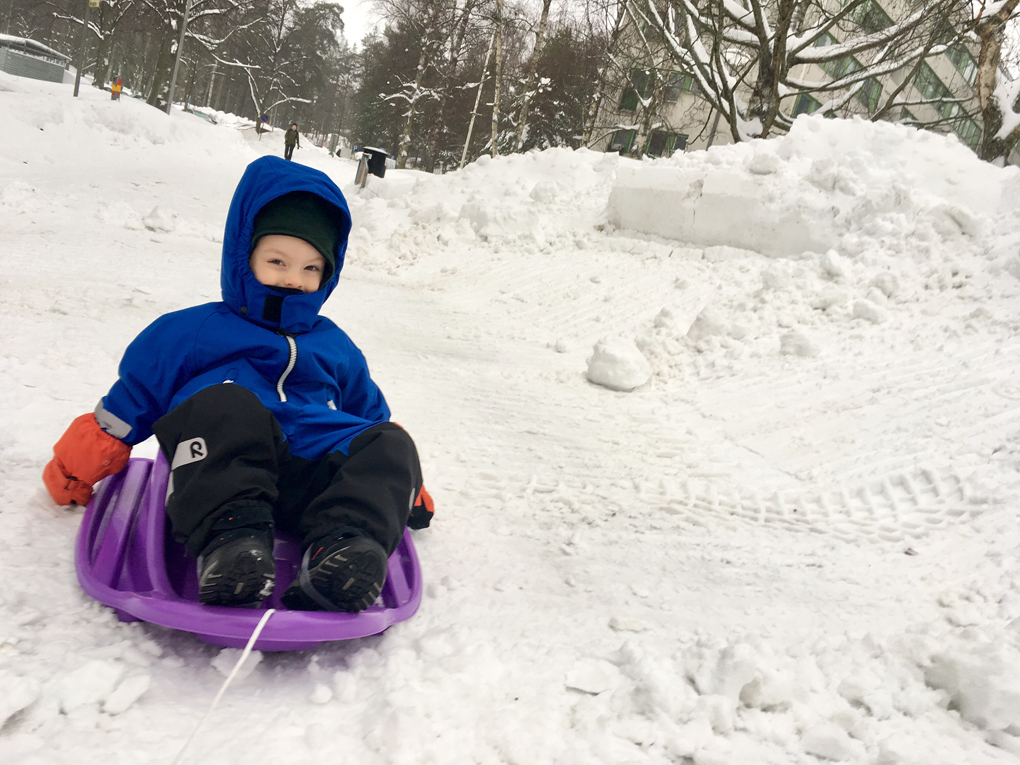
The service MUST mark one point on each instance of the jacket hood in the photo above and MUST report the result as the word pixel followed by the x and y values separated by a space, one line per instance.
pixel 264 180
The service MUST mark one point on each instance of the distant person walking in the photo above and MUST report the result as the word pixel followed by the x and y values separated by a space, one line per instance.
pixel 291 139
pixel 115 89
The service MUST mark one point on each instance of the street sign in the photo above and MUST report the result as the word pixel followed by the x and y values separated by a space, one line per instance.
pixel 94 3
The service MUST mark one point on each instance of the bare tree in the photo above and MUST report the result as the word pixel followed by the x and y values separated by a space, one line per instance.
pixel 998 96
pixel 744 56
pixel 531 79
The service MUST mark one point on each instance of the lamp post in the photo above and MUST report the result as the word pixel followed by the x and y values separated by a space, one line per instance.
pixel 177 58
pixel 81 45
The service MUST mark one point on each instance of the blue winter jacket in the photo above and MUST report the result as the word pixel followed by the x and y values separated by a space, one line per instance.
pixel 303 367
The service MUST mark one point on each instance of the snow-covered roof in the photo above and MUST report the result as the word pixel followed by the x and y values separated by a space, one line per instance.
pixel 31 47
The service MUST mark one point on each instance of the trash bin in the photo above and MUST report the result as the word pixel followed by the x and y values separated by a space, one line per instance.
pixel 376 160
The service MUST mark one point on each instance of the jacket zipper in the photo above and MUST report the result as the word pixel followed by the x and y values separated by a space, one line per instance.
pixel 290 366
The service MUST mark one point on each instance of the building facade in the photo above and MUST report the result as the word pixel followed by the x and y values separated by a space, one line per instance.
pixel 660 110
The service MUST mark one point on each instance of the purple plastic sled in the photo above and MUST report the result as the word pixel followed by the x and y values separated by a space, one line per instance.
pixel 125 559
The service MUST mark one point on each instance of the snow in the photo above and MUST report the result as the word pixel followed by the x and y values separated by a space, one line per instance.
pixel 795 542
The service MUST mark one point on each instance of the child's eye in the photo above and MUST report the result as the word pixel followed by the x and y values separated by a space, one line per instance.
pixel 312 268
pixel 276 262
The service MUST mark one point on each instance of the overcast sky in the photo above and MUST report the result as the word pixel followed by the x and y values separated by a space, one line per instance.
pixel 357 20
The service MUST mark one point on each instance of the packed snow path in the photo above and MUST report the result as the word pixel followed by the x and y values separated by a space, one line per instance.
pixel 797 541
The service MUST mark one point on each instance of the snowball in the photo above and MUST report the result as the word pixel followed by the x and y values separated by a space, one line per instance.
pixel 708 324
pixel 322 694
pixel 225 660
pixel 593 676
pixel 828 741
pixel 833 265
pixel 127 693
pixel 794 343
pixel 618 364
pixel 983 684
pixel 864 309
pixel 18 693
pixel 158 220
pixel 89 684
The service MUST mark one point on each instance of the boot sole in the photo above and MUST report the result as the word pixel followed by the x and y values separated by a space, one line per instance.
pixel 348 579
pixel 237 578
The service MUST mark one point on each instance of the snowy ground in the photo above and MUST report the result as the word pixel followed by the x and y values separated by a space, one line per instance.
pixel 795 541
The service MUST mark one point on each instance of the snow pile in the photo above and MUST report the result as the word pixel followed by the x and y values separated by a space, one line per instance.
pixel 539 201
pixel 828 184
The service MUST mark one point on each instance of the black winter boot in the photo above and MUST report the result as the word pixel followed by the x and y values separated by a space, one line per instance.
pixel 344 571
pixel 236 567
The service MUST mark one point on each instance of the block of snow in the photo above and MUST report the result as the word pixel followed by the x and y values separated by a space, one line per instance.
pixel 764 163
pixel 865 309
pixel 322 694
pixel 828 741
pixel 126 694
pixel 709 323
pixel 18 693
pixel 775 278
pixel 983 683
pixel 89 684
pixel 795 343
pixel 225 660
pixel 593 676
pixel 833 265
pixel 159 220
pixel 618 364
pixel 887 283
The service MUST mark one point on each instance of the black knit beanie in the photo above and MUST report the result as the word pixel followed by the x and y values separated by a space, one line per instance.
pixel 306 216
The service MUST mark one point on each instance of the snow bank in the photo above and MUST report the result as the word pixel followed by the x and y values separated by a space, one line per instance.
pixel 828 180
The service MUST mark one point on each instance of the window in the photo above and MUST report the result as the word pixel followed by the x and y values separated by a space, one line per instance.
pixel 662 143
pixel 869 94
pixel 639 80
pixel 841 67
pixel 871 18
pixel 929 85
pixel 804 104
pixel 674 87
pixel 969 132
pixel 964 63
pixel 677 83
pixel 906 117
pixel 621 141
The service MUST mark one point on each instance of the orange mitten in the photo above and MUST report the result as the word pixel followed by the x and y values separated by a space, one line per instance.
pixel 421 513
pixel 83 456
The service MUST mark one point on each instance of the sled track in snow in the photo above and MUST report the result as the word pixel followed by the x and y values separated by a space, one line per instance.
pixel 901 507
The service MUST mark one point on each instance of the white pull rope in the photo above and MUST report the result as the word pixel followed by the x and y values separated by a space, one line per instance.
pixel 244 655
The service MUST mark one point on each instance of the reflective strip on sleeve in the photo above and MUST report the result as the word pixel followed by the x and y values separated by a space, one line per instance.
pixel 111 423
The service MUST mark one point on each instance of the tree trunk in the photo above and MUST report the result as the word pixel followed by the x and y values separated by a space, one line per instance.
pixel 412 104
pixel 764 102
pixel 497 74
pixel 994 147
pixel 531 81
pixel 600 85
pixel 161 72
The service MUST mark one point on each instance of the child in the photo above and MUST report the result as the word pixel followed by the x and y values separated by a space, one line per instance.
pixel 265 411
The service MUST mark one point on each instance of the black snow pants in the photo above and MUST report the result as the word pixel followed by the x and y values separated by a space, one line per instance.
pixel 228 455
pixel 288 151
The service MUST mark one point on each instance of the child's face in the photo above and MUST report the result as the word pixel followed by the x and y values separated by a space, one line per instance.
pixel 286 261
